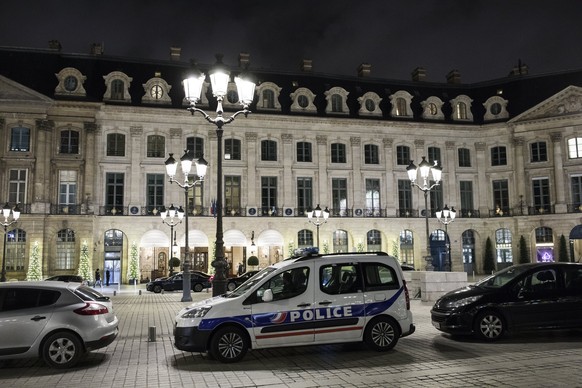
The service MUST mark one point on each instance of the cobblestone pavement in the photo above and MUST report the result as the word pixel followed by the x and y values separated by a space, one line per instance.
pixel 425 359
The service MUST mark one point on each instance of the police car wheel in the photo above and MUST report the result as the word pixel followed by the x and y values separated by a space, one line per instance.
pixel 382 334
pixel 229 344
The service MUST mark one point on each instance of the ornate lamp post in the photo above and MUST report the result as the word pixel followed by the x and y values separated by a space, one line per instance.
pixel 171 167
pixel 425 170
pixel 175 218
pixel 447 216
pixel 6 210
pixel 321 217
pixel 219 79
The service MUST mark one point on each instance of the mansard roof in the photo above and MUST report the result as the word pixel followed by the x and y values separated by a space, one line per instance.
pixel 36 69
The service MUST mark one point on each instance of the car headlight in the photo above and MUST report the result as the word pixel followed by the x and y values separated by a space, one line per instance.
pixel 455 304
pixel 197 312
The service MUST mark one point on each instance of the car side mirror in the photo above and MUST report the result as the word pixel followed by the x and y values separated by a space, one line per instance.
pixel 268 295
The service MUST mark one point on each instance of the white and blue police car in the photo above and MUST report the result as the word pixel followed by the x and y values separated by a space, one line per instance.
pixel 306 300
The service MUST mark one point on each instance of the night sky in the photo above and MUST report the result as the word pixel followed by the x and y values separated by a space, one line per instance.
pixel 483 39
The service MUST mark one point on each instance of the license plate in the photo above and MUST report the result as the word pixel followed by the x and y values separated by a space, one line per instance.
pixel 436 324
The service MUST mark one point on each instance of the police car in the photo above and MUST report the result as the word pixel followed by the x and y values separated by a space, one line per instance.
pixel 306 300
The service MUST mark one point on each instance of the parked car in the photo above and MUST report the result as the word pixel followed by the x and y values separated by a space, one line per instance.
pixel 306 300
pixel 234 282
pixel 66 278
pixel 536 296
pixel 56 321
pixel 407 267
pixel 198 282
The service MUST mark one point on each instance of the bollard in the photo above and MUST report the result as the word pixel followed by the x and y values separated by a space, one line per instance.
pixel 152 334
pixel 114 292
pixel 140 292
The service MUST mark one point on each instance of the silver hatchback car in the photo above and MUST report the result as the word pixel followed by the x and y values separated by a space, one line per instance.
pixel 56 321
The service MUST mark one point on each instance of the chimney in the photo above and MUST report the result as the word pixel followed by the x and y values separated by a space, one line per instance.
pixel 307 65
pixel 364 70
pixel 520 69
pixel 419 74
pixel 175 53
pixel 454 77
pixel 97 49
pixel 244 60
pixel 55 45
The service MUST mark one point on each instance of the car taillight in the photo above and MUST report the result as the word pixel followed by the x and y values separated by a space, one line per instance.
pixel 406 295
pixel 92 309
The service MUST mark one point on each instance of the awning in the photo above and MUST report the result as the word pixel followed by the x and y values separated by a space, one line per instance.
pixel 576 233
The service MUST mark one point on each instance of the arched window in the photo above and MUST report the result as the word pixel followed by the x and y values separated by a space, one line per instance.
pixel 336 103
pixel 65 249
pixel 268 99
pixel 374 240
pixel 340 241
pixel 304 238
pixel 15 249
pixel 503 246
pixel 406 246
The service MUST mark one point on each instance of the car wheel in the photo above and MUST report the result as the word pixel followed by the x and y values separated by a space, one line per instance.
pixel 62 350
pixel 382 334
pixel 231 286
pixel 157 289
pixel 198 287
pixel 229 344
pixel 489 326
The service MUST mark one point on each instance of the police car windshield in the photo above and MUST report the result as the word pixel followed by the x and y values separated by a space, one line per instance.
pixel 258 277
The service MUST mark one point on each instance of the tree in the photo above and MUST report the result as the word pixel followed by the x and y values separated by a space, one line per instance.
pixel 523 251
pixel 133 270
pixel 395 249
pixel 85 267
pixel 34 264
pixel 253 261
pixel 563 250
pixel 489 258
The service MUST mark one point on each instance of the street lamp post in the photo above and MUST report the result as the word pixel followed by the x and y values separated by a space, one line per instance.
pixel 6 211
pixel 321 217
pixel 171 167
pixel 219 79
pixel 425 170
pixel 447 216
pixel 175 218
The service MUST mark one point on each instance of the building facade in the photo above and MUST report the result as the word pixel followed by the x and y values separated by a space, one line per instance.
pixel 85 138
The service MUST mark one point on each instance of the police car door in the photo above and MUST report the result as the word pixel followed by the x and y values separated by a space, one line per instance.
pixel 288 318
pixel 339 302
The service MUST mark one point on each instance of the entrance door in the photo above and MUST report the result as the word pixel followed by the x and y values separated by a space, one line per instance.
pixel 114 267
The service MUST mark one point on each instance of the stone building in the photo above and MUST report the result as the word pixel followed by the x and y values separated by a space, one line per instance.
pixel 85 138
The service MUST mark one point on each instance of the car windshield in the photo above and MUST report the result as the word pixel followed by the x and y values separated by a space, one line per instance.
pixel 501 278
pixel 243 288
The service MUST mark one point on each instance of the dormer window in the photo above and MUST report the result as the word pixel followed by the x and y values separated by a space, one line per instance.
pixel 70 83
pixel 268 96
pixel 370 105
pixel 156 91
pixel 117 87
pixel 336 100
pixel 462 108
pixel 303 101
pixel 432 108
pixel 495 108
pixel 401 101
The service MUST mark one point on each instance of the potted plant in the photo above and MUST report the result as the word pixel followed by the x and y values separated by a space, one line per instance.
pixel 253 261
pixel 174 262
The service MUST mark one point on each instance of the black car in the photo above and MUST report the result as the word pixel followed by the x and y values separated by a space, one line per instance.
pixel 66 278
pixel 233 283
pixel 536 296
pixel 198 282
